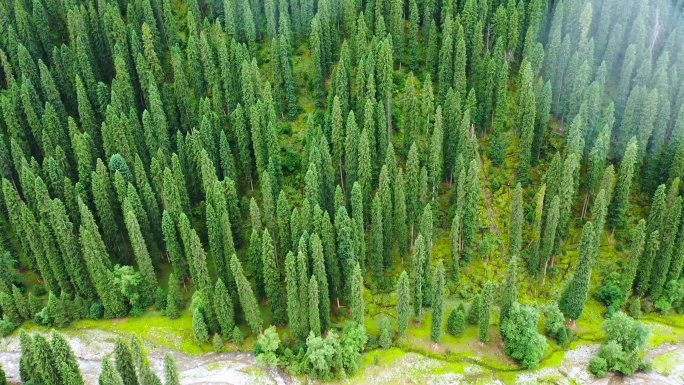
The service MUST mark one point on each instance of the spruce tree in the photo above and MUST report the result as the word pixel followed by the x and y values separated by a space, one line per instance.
pixel 509 291
pixel 576 292
pixel 631 266
pixel 223 307
pixel 314 317
pixel 199 327
pixel 303 285
pixel 655 222
pixel 456 321
pixel 471 205
pixel 485 312
pixel 174 298
pixel 124 363
pixel 142 258
pixel 419 256
pixel 293 303
pixel 438 304
pixel 618 207
pixel 455 249
pixel 109 375
pixel 171 374
pixel 274 290
pixel 319 270
pixel 376 240
pixel 44 361
pixel 403 296
pixel 357 303
pixel 515 223
pixel 248 302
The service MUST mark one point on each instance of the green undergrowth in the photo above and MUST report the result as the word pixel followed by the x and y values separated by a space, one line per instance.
pixel 666 362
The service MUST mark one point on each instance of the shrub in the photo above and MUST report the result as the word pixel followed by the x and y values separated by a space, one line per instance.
pixel 322 355
pixel 6 327
pixel 160 299
pixel 237 336
pixel 386 332
pixel 522 342
pixel 96 310
pixel 42 317
pixel 39 290
pixel 456 321
pixel 473 311
pixel 623 346
pixel 611 294
pixel 671 297
pixel 267 346
pixel 217 342
pixel 598 366
pixel 554 326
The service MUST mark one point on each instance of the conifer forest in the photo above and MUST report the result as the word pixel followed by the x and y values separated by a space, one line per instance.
pixel 335 188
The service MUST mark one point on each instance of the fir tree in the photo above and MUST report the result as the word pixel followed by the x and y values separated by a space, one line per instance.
pixel 124 363
pixel 171 375
pixel 109 375
pixel 248 302
pixel 618 208
pixel 319 270
pixel 174 298
pixel 44 361
pixel 376 240
pixel 438 304
pixel 509 291
pixel 484 318
pixel 274 291
pixel 515 223
pixel 456 321
pixel 403 296
pixel 293 303
pixel 575 294
pixel 199 327
pixel 314 317
pixel 223 307
pixel 419 256
pixel 357 304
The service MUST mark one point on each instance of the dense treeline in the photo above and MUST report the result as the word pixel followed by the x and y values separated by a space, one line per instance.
pixel 304 152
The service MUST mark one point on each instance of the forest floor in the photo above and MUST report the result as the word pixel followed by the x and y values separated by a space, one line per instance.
pixel 456 360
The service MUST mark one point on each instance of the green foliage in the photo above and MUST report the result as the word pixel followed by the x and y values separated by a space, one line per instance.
pixel 237 336
pixel 611 293
pixel 575 293
pixel 554 325
pixel 403 297
pixel 438 303
pixel 456 321
pixel 124 363
pixel 484 317
pixel 509 291
pixel 473 314
pixel 623 346
pixel 522 342
pixel 199 327
pixel 171 374
pixel 386 332
pixel 267 346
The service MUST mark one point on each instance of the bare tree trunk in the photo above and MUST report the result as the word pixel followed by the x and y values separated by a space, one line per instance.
pixel 584 208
